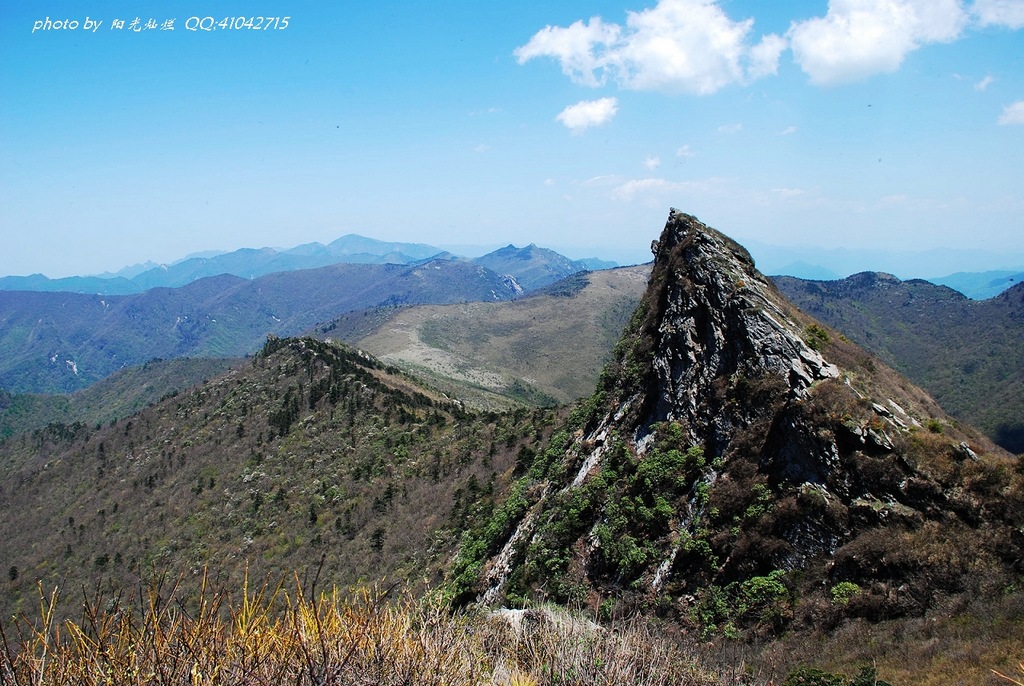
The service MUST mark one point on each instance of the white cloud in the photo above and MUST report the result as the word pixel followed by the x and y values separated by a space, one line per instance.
pixel 587 113
pixel 860 38
pixel 573 47
pixel 1008 13
pixel 483 147
pixel 1013 114
pixel 688 46
pixel 549 182
pixel 603 180
pixel 730 128
pixel 788 131
pixel 764 57
pixel 685 151
pixel 652 162
pixel 789 192
pixel 661 187
pixel 984 83
pixel 630 189
pixel 898 199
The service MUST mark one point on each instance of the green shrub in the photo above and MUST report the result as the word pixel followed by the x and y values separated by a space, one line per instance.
pixel 843 592
pixel 816 337
pixel 868 676
pixel 807 676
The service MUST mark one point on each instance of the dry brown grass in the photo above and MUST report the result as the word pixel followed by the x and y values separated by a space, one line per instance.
pixel 966 643
pixel 554 647
pixel 1012 680
pixel 269 635
pixel 272 636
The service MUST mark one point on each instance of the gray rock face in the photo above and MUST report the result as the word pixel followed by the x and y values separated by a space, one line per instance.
pixel 719 322
pixel 734 437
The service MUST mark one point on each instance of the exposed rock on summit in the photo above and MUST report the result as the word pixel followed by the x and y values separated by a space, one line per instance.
pixel 715 317
pixel 740 462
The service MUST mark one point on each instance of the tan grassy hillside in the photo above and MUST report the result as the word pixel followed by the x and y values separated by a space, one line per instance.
pixel 544 349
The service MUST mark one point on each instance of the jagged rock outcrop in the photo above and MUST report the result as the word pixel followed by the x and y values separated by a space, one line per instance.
pixel 715 319
pixel 743 465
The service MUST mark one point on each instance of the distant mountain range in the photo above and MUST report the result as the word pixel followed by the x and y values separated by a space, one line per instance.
pixel 968 271
pixel 975 285
pixel 543 349
pixel 59 335
pixel 532 266
pixel 537 266
pixel 61 342
pixel 981 285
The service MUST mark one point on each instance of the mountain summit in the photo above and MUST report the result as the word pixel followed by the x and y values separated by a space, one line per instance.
pixel 533 267
pixel 743 466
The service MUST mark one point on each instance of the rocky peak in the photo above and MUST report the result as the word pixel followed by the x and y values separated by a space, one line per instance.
pixel 715 317
pixel 737 443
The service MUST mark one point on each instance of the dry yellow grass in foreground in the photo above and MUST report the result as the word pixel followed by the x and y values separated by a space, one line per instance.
pixel 1012 680
pixel 270 636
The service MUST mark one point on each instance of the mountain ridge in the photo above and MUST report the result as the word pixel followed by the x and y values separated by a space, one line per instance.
pixel 65 341
pixel 307 452
pixel 249 263
pixel 741 466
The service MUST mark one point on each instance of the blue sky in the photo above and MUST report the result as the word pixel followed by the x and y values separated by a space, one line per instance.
pixel 887 126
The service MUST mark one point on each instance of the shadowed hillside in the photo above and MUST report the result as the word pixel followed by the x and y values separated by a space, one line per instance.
pixel 119 395
pixel 966 353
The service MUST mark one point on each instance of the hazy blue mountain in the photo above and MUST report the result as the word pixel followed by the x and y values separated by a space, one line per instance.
pixel 74 284
pixel 538 266
pixel 905 264
pixel 532 267
pixel 981 285
pixel 61 342
pixel 805 270
pixel 132 270
pixel 353 244
pixel 594 264
pixel 247 263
